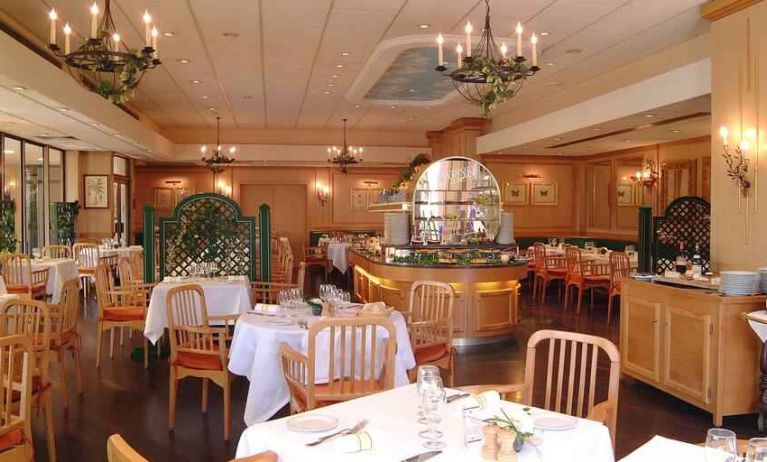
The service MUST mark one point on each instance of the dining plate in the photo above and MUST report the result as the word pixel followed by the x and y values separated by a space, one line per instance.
pixel 312 423
pixel 278 322
pixel 555 422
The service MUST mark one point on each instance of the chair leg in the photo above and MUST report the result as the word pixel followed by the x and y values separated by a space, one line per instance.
pixel 205 386
pixel 172 389
pixel 568 289
pixel 76 358
pixel 609 307
pixel 122 336
pixel 63 376
pixel 227 406
pixel 47 404
pixel 146 353
pixel 112 343
pixel 580 300
pixel 591 300
pixel 99 336
pixel 543 291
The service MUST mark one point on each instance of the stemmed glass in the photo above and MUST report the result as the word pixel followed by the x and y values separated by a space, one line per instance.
pixel 756 451
pixel 721 445
pixel 434 406
pixel 428 377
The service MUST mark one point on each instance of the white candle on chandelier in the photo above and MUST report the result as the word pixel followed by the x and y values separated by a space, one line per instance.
pixel 94 20
pixel 232 151
pixel 459 55
pixel 504 50
pixel 440 55
pixel 360 154
pixel 203 150
pixel 534 43
pixel 468 30
pixel 147 27
pixel 155 34
pixel 53 17
pixel 329 154
pixel 723 132
pixel 116 40
pixel 519 31
pixel 67 35
pixel 745 145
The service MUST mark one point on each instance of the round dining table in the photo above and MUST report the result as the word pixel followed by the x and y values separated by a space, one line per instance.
pixel 338 254
pixel 60 270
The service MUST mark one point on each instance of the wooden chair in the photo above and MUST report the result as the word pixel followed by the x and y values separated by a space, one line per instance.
pixel 65 334
pixel 57 251
pixel 580 276
pixel 430 326
pixel 317 256
pixel 20 279
pixel 301 277
pixel 196 348
pixel 86 255
pixel 118 450
pixel 620 267
pixel 268 292
pixel 547 269
pixel 577 394
pixel 109 260
pixel 353 345
pixel 16 362
pixel 32 318
pixel 123 307
pixel 284 274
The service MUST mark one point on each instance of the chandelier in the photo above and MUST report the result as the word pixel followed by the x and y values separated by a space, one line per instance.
pixel 103 62
pixel 487 75
pixel 345 155
pixel 647 177
pixel 217 159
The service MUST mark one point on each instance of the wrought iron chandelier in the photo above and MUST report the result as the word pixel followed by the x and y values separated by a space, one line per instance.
pixel 487 75
pixel 345 155
pixel 103 62
pixel 217 159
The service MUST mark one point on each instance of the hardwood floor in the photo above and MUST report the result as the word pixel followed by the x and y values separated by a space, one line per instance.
pixel 125 398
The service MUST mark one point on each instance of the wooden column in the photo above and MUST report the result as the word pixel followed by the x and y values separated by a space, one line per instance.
pixel 458 139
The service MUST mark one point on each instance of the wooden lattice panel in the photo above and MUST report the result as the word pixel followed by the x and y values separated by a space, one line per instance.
pixel 687 219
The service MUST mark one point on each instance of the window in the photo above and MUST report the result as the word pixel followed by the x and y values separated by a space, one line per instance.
pixel 55 184
pixel 11 177
pixel 34 197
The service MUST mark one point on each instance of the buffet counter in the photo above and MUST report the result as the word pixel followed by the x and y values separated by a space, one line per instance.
pixel 694 344
pixel 486 307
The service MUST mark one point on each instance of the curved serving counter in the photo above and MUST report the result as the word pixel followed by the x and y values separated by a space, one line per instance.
pixel 486 305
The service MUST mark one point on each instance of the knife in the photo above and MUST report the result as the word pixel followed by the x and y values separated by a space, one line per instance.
pixel 423 457
pixel 450 399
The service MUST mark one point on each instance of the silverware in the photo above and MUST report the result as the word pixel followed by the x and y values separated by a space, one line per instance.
pixel 346 431
pixel 450 399
pixel 423 457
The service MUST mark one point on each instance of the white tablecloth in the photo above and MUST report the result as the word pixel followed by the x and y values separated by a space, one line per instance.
pixel 394 428
pixel 255 354
pixel 221 297
pixel 338 253
pixel 119 251
pixel 60 270
pixel 758 322
pixel 660 449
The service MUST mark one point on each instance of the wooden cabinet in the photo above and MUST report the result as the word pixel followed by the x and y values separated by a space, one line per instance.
pixel 692 344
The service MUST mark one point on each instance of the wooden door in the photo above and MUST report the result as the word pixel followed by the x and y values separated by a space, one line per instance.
pixel 288 204
pixel 687 337
pixel 640 337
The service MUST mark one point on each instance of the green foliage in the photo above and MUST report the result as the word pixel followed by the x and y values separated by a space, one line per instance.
pixel 8 240
pixel 496 80
pixel 66 215
pixel 129 78
pixel 409 171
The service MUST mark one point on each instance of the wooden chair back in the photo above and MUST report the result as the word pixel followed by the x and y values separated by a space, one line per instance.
pixel 125 272
pixel 32 319
pixel 65 322
pixel 16 368
pixel 431 314
pixel 620 267
pixel 315 254
pixel 357 349
pixel 189 327
pixel 574 261
pixel 17 271
pixel 301 276
pixel 571 374
pixel 268 292
pixel 57 251
pixel 86 254
pixel 110 260
pixel 137 265
pixel 110 297
pixel 118 450
pixel 542 259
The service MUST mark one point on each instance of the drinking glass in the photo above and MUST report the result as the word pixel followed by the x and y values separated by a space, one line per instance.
pixel 756 451
pixel 283 298
pixel 721 445
pixel 630 248
pixel 434 406
pixel 36 253
pixel 588 245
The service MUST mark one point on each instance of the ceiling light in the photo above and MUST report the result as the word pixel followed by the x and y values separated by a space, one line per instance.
pixel 205 97
pixel 184 61
pixel 64 109
pixel 544 34
pixel 356 106
pixel 675 131
pixel 19 88
pixel 393 107
pixel 335 76
pixel 649 116
pixel 412 90
pixel 339 66
pixel 9 151
pixel 327 92
pixel 168 34
pixel 345 53
pixel 424 26
pixel 551 64
pixel 330 85
pixel 596 129
pixel 196 81
pixel 211 108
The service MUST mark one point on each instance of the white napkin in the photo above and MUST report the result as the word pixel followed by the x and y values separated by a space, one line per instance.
pixel 356 442
pixel 373 308
pixel 484 400
pixel 266 308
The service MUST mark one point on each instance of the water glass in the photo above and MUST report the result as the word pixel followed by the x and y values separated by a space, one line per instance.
pixel 472 426
pixel 36 253
pixel 721 445
pixel 756 451
pixel 434 406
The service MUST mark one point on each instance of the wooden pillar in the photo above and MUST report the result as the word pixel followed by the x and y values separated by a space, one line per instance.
pixel 458 139
pixel 149 250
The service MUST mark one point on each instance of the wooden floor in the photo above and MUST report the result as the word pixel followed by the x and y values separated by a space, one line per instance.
pixel 125 398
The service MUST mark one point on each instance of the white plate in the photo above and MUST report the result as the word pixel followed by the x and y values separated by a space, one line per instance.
pixel 555 422
pixel 278 322
pixel 312 423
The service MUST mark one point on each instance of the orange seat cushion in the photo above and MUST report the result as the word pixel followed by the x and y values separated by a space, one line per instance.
pixel 361 386
pixel 11 439
pixel 123 314
pixel 198 361
pixel 430 353
pixel 597 279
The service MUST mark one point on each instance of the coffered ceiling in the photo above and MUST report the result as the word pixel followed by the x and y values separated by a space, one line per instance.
pixel 284 64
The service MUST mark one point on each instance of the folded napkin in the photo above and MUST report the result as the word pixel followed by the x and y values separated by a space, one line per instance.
pixel 356 442
pixel 236 278
pixel 377 308
pixel 484 400
pixel 266 308
pixel 671 274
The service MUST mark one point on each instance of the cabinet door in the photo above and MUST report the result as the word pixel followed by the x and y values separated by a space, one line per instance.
pixel 495 310
pixel 687 337
pixel 640 338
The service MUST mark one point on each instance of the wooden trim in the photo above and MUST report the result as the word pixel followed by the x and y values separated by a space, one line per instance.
pixel 718 9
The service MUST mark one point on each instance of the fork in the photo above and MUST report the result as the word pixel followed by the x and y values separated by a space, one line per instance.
pixel 346 431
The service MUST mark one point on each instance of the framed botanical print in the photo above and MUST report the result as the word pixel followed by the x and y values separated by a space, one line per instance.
pixel 163 198
pixel 96 191
pixel 515 194
pixel 359 199
pixel 545 194
pixel 625 195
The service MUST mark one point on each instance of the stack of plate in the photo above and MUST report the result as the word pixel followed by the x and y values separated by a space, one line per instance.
pixel 739 283
pixel 396 228
pixel 763 279
pixel 506 231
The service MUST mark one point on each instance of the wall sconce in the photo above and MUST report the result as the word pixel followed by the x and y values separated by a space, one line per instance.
pixel 531 176
pixel 323 193
pixel 224 188
pixel 647 177
pixel 737 162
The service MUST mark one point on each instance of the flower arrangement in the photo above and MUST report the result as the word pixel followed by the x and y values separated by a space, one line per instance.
pixel 506 434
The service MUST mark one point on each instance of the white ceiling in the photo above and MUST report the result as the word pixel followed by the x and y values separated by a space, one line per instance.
pixel 275 72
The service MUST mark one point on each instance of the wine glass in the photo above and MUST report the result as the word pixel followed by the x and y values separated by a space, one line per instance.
pixel 721 445
pixel 428 377
pixel 434 406
pixel 756 451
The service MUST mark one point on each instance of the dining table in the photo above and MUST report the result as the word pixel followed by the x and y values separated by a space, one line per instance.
pixel 60 270
pixel 119 251
pixel 227 295
pixel 338 254
pixel 660 448
pixel 393 428
pixel 255 354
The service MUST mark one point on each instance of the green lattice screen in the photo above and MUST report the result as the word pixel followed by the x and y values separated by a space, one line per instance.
pixel 686 219
pixel 208 228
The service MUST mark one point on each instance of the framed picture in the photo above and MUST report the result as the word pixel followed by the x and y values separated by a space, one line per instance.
pixel 545 194
pixel 163 198
pixel 625 195
pixel 96 191
pixel 373 195
pixel 359 199
pixel 515 194
pixel 181 194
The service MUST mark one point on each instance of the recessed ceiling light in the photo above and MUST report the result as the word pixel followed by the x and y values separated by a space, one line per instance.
pixel 9 151
pixel 557 138
pixel 64 109
pixel 335 76
pixel 675 131
pixel 544 33
pixel 327 92
pixel 168 34
pixel 573 51
pixel 205 97
pixel 19 88
pixel 649 116
pixel 196 81
pixel 596 129
pixel 345 53
pixel 211 108
pixel 231 34
pixel 412 90
pixel 551 64
pixel 393 107
pixel 356 106
pixel 424 26
pixel 184 61
pixel 339 66
pixel 330 84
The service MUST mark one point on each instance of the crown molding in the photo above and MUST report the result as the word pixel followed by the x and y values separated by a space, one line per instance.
pixel 718 9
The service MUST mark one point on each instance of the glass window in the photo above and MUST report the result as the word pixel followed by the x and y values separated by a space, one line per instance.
pixel 11 178
pixel 55 183
pixel 34 197
pixel 119 166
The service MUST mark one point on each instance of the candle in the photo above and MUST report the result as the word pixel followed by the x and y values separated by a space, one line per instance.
pixel 147 28
pixel 504 50
pixel 94 20
pixel 534 43
pixel 723 132
pixel 751 134
pixel 519 30
pixel 440 55
pixel 459 55
pixel 116 40
pixel 232 150
pixel 53 17
pixel 468 30
pixel 67 34
pixel 155 34
pixel 744 145
pixel 329 154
